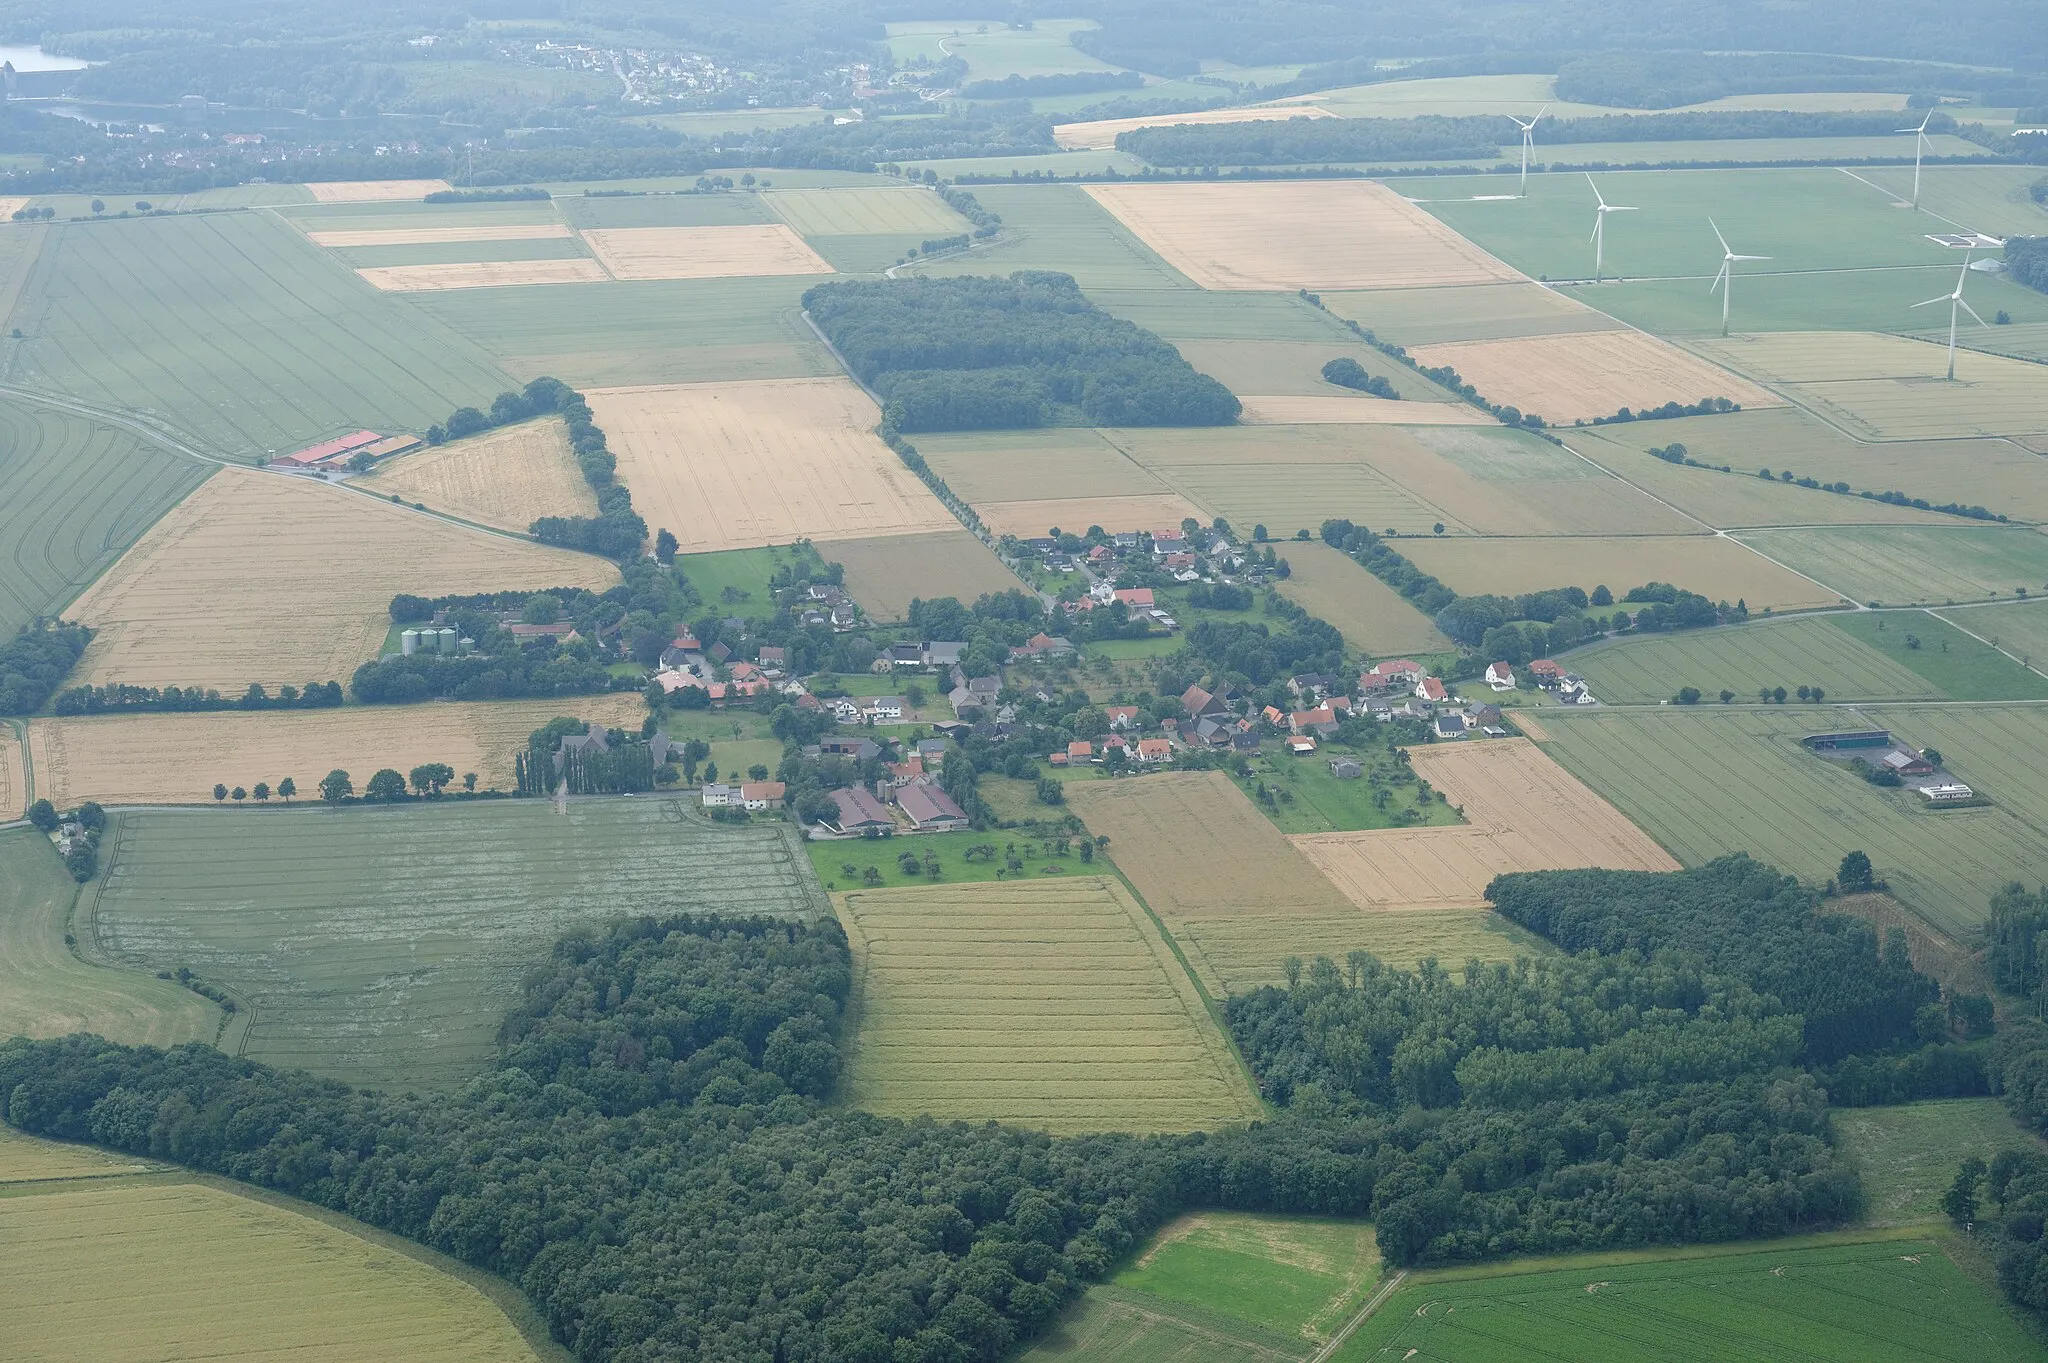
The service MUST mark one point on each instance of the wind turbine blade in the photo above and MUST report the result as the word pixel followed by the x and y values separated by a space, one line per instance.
pixel 1930 302
pixel 1596 190
pixel 1539 114
pixel 1925 121
pixel 1596 230
pixel 1718 237
pixel 1749 257
pixel 1719 278
pixel 1620 208
pixel 1972 311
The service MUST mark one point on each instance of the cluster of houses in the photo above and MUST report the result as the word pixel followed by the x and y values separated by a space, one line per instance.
pixel 1171 550
pixel 686 663
pixel 1139 601
pixel 1877 750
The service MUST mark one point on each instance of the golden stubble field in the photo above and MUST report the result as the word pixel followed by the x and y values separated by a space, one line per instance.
pixel 482 274
pixel 738 465
pixel 280 579
pixel 1101 134
pixel 703 252
pixel 1523 813
pixel 373 191
pixel 509 477
pixel 107 1264
pixel 1050 1004
pixel 1585 374
pixel 1298 234
pixel 177 758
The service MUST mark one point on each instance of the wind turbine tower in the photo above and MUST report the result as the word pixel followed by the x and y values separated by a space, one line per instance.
pixel 1528 141
pixel 1955 302
pixel 1920 144
pixel 1725 281
pixel 1600 226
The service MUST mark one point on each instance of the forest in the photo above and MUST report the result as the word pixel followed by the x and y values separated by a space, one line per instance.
pixel 973 352
pixel 2027 259
pixel 35 662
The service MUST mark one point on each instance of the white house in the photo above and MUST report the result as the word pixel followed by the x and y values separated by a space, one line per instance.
pixel 717 795
pixel 883 709
pixel 1500 676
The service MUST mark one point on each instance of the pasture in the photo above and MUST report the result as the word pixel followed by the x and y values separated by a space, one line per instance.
pixel 1790 653
pixel 123 1267
pixel 1670 770
pixel 381 946
pixel 74 493
pixel 885 573
pixel 508 478
pixel 2016 628
pixel 737 577
pixel 47 990
pixel 703 252
pixel 1961 659
pixel 1719 569
pixel 1585 374
pixel 177 758
pixel 1890 387
pixel 1373 618
pixel 737 465
pixel 1471 312
pixel 1050 1004
pixel 994 50
pixel 1522 812
pixel 1837 1301
pixel 1110 1325
pixel 1321 234
pixel 233 329
pixel 1912 564
pixel 1101 134
pixel 1307 797
pixel 1908 1154
pixel 188 606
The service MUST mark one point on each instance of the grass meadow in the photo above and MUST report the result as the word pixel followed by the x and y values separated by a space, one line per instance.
pixel 730 578
pixel 74 493
pixel 2019 627
pixel 1300 1276
pixel 381 946
pixel 1912 565
pixel 1058 227
pixel 1908 1154
pixel 1042 858
pixel 234 330
pixel 1946 654
pixel 993 50
pixel 1742 659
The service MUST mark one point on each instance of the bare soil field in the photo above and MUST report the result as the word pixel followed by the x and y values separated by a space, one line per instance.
pixel 373 191
pixel 736 465
pixel 1114 514
pixel 886 572
pixel 703 252
pixel 1719 569
pixel 1523 812
pixel 1340 409
pixel 482 274
pixel 1325 234
pixel 1101 134
pixel 1581 375
pixel 1052 1004
pixel 425 236
pixel 509 477
pixel 271 578
pixel 177 758
pixel 1373 617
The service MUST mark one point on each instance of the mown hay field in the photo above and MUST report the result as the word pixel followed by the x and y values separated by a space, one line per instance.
pixel 1719 569
pixel 373 191
pixel 46 990
pixel 335 239
pixel 1890 387
pixel 74 493
pixel 1021 466
pixel 1672 769
pixel 237 332
pixel 177 758
pixel 1052 1004
pixel 481 274
pixel 271 578
pixel 703 252
pixel 1912 564
pixel 736 465
pixel 1114 514
pixel 1467 312
pixel 381 946
pixel 1585 374
pixel 1102 133
pixel 509 477
pixel 29 1159
pixel 1373 618
pixel 865 212
pixel 885 573
pixel 129 1269
pixel 1310 234
pixel 1788 653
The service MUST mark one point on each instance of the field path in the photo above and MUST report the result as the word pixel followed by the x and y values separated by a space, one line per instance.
pixel 1372 1304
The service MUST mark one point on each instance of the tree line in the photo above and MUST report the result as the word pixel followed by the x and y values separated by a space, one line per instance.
pixel 98 700
pixel 2027 259
pixel 979 353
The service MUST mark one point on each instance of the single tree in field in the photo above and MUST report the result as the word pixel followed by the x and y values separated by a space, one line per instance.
pixel 665 546
pixel 220 792
pixel 1960 1201
pixel 385 784
pixel 239 793
pixel 429 777
pixel 1855 874
pixel 43 815
pixel 99 206
pixel 1778 694
pixel 1763 695
pixel 1819 695
pixel 1726 696
pixel 262 791
pixel 287 788
pixel 1437 529
pixel 335 786
pixel 469 780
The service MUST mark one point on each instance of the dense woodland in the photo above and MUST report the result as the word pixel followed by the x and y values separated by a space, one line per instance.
pixel 35 662
pixel 2027 258
pixel 979 353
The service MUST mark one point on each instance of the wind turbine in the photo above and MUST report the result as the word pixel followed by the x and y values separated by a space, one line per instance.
pixel 1600 225
pixel 1954 300
pixel 1920 143
pixel 1528 140
pixel 1725 281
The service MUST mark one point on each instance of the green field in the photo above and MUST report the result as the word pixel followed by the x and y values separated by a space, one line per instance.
pixel 236 331
pixel 1908 1154
pixel 2020 628
pixel 392 214
pixel 1767 299
pixel 1912 565
pixel 1110 1325
pixel 1873 1302
pixel 381 946
pixel 1058 227
pixel 1988 199
pixel 1308 799
pixel 460 252
pixel 735 581
pixel 664 210
pixel 1041 859
pixel 1964 668
pixel 1291 1275
pixel 708 122
pixel 992 49
pixel 1467 312
pixel 74 493
pixel 1709 780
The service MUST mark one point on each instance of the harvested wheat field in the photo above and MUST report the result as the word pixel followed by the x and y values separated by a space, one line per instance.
pixel 373 191
pixel 703 252
pixel 1049 1004
pixel 482 274
pixel 509 477
pixel 176 758
pixel 1298 234
pixel 426 236
pixel 885 573
pixel 1100 134
pixel 1717 568
pixel 10 205
pixel 1584 374
pixel 768 461
pixel 261 577
pixel 1114 514
pixel 1340 410
pixel 1523 812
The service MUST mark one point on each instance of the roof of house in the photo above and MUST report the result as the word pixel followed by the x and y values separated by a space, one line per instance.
pixel 1301 743
pixel 1433 689
pixel 925 803
pixel 762 790
pixel 774 653
pixel 1496 669
pixel 884 703
pixel 1393 666
pixel 1135 596
pixel 1080 749
pixel 1545 667
pixel 1450 724
pixel 857 806
pixel 1153 747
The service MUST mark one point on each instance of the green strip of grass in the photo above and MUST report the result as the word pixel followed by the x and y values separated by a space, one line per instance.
pixel 1959 666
